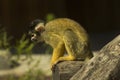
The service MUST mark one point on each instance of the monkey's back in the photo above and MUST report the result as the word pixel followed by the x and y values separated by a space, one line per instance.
pixel 58 26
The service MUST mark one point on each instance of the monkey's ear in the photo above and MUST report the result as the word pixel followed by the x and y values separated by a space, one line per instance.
pixel 34 23
pixel 40 27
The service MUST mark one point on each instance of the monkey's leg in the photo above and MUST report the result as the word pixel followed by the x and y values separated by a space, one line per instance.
pixel 70 40
pixel 58 51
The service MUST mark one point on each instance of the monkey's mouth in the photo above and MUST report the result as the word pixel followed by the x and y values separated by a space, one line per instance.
pixel 34 39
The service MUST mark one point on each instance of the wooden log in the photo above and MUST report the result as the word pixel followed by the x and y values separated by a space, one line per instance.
pixel 65 70
pixel 104 66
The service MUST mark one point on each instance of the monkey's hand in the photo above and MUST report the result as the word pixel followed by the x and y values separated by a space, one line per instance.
pixel 53 66
pixel 61 59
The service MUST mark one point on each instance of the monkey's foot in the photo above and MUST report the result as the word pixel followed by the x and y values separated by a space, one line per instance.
pixel 61 59
pixel 54 65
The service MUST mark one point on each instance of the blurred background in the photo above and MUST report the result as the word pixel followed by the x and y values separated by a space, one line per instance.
pixel 101 18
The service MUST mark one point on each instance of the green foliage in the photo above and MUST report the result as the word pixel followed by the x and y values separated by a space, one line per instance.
pixel 23 46
pixel 49 17
pixel 4 39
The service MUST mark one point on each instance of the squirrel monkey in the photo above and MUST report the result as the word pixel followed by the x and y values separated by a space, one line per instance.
pixel 65 36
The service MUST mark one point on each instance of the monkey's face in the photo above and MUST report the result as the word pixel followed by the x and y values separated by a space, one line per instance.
pixel 34 35
pixel 36 32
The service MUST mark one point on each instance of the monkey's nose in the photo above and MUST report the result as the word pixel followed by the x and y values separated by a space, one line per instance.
pixel 33 39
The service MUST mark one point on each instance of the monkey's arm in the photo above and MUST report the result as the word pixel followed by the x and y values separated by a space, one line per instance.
pixel 58 51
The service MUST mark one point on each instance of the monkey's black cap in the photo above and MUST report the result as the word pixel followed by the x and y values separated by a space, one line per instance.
pixel 34 23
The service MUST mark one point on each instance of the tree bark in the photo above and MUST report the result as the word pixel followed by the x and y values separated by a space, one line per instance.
pixel 65 70
pixel 104 66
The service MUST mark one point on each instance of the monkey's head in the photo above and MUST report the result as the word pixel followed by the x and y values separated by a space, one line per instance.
pixel 36 29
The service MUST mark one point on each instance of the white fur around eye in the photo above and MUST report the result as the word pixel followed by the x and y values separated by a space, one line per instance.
pixel 39 26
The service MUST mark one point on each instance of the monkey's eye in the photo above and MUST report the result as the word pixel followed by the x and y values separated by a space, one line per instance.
pixel 37 33
pixel 31 33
